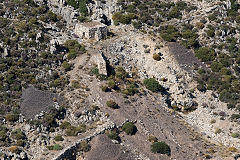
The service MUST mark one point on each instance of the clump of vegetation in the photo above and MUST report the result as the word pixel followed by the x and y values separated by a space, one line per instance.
pixel 12 117
pixel 84 146
pixel 105 89
pixel 232 149
pixel 157 57
pixel 112 104
pixel 218 130
pixel 131 89
pixel 153 85
pixel 73 130
pixel 235 135
pixel 120 17
pixel 18 134
pixel 169 33
pixel 113 134
pixel 55 147
pixel 58 138
pixel 160 147
pixel 74 49
pixel 129 128
pixel 67 66
pixel 65 125
pixel 205 54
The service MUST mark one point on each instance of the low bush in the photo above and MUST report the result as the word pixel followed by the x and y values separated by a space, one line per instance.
pixel 235 135
pixel 67 66
pixel 160 147
pixel 65 125
pixel 156 57
pixel 113 135
pixel 112 104
pixel 129 128
pixel 153 85
pixel 205 54
pixel 55 147
pixel 11 117
pixel 58 138
pixel 84 146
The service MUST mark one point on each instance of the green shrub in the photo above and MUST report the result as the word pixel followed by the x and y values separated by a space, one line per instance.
pixel 67 66
pixel 123 18
pixel 55 147
pixel 235 116
pixel 153 85
pixel 121 73
pixel 156 57
pixel 216 66
pixel 3 135
pixel 18 134
pixel 83 7
pixel 152 139
pixel 105 88
pixel 73 131
pixel 112 104
pixel 65 125
pixel 11 117
pixel 113 135
pixel 20 143
pixel 111 84
pixel 84 146
pixel 218 130
pixel 205 54
pixel 160 147
pixel 129 128
pixel 130 90
pixel 58 138
pixel 169 33
pixel 235 135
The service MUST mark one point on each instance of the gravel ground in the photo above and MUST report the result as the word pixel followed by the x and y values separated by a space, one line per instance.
pixel 35 101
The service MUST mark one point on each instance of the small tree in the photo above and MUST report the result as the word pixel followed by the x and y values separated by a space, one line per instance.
pixel 153 85
pixel 129 128
pixel 160 147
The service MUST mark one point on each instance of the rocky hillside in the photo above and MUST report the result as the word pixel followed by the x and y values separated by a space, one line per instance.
pixel 162 84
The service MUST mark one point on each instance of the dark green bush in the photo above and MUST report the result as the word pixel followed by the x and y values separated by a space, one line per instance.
pixel 156 57
pixel 129 128
pixel 153 85
pixel 55 147
pixel 18 134
pixel 11 117
pixel 205 54
pixel 160 147
pixel 112 104
pixel 67 66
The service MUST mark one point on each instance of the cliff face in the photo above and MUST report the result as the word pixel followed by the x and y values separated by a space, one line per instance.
pixel 98 10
